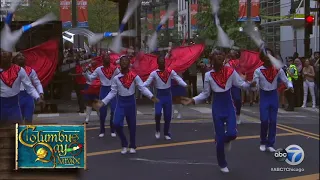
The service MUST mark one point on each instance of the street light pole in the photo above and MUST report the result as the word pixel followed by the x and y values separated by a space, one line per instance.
pixel 74 13
pixel 306 33
pixel 189 19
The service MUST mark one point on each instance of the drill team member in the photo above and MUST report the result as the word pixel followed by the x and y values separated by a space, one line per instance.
pixel 11 77
pixel 220 80
pixel 105 73
pixel 235 91
pixel 26 101
pixel 162 79
pixel 123 85
pixel 266 79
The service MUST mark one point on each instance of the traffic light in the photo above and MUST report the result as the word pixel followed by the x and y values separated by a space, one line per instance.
pixel 309 20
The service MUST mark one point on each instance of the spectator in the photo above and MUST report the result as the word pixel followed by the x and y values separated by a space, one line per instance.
pixel 298 89
pixel 193 80
pixel 316 58
pixel 292 74
pixel 308 84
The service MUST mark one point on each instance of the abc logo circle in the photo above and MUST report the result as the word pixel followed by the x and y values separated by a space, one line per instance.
pixel 295 155
pixel 280 155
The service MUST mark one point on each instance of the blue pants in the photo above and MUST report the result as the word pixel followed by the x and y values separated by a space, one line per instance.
pixel 236 97
pixel 26 103
pixel 126 108
pixel 165 103
pixel 223 111
pixel 269 105
pixel 10 110
pixel 104 109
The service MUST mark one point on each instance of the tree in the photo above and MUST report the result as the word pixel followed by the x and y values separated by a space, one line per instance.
pixel 103 16
pixel 228 16
pixel 37 9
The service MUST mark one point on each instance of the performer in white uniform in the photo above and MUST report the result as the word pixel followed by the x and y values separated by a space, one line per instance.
pixel 11 77
pixel 220 80
pixel 162 79
pixel 26 101
pixel 123 85
pixel 266 77
pixel 105 73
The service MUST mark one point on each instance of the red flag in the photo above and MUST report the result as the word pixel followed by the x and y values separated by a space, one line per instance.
pixel 183 57
pixel 144 64
pixel 82 13
pixel 43 59
pixel 249 62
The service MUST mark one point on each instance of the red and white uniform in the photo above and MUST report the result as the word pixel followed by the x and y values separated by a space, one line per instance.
pixel 11 81
pixel 34 80
pixel 105 74
pixel 162 79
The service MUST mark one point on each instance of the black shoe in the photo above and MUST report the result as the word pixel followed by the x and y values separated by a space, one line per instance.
pixel 283 106
pixel 81 111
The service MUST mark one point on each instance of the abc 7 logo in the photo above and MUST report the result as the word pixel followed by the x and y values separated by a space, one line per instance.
pixel 280 155
pixel 293 155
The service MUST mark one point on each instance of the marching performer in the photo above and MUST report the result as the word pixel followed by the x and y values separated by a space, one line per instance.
pixel 11 77
pixel 266 78
pixel 123 85
pixel 220 80
pixel 90 97
pixel 162 81
pixel 105 73
pixel 26 101
pixel 235 91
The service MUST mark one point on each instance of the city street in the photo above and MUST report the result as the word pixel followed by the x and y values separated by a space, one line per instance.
pixel 191 153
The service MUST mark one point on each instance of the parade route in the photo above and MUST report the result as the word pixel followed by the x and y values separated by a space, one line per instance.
pixel 191 153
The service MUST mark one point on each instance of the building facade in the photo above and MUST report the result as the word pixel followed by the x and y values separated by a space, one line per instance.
pixel 184 19
pixel 284 37
pixel 292 39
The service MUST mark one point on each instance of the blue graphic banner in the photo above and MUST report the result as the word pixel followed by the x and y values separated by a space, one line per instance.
pixel 50 146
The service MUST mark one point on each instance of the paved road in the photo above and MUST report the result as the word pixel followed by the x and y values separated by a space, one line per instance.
pixel 191 152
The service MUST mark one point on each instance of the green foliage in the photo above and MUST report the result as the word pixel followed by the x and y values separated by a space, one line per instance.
pixel 228 16
pixel 103 15
pixel 37 9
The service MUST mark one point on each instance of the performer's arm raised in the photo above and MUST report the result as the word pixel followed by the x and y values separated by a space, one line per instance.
pixel 149 80
pixel 206 90
pixel 36 82
pixel 238 81
pixel 28 85
pixel 178 79
pixel 284 79
pixel 112 93
pixel 92 76
pixel 145 91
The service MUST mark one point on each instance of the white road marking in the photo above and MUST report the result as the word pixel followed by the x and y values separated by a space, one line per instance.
pixel 247 110
pixel 295 116
pixel 183 162
pixel 286 112
pixel 203 110
pixel 312 109
pixel 49 115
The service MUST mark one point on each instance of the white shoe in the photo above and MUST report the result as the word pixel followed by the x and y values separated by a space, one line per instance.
pixel 132 151
pixel 179 116
pixel 224 170
pixel 271 149
pixel 101 135
pixel 167 137
pixel 303 106
pixel 124 151
pixel 262 148
pixel 87 120
pixel 157 135
pixel 227 146
pixel 113 135
pixel 239 122
pixel 313 107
